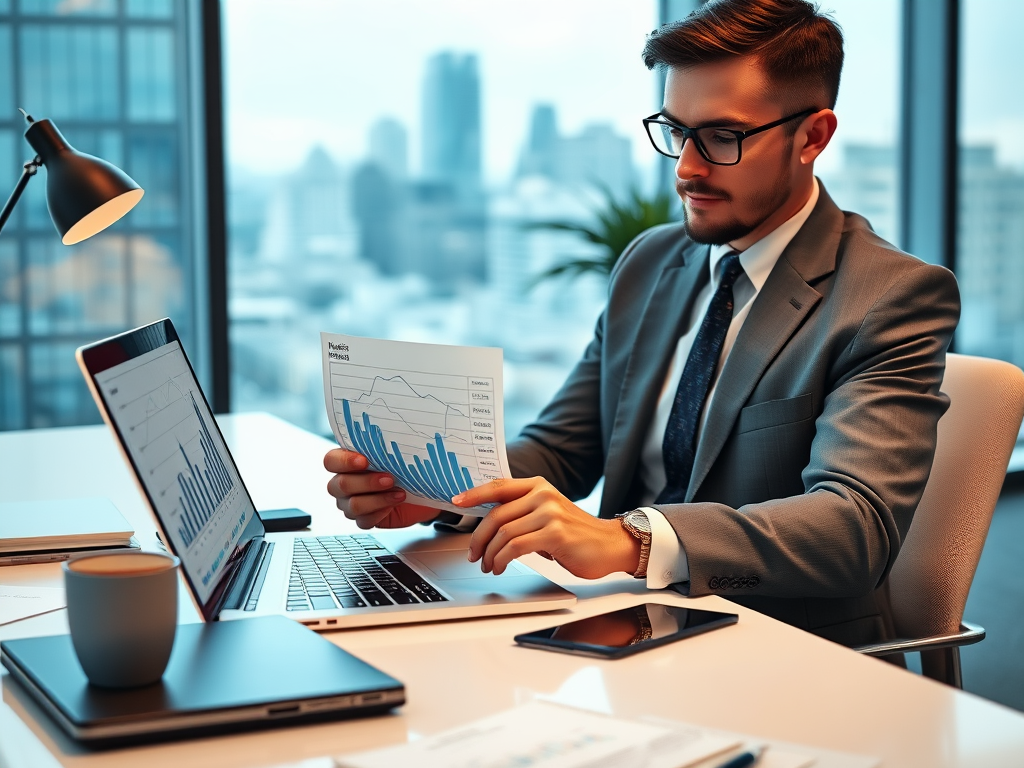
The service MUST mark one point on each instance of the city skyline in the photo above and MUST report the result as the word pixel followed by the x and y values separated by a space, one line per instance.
pixel 387 224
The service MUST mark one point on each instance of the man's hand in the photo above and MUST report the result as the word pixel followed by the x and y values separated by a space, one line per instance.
pixel 534 517
pixel 370 498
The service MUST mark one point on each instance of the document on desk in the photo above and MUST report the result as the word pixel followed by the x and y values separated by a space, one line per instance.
pixel 429 414
pixel 21 602
pixel 547 735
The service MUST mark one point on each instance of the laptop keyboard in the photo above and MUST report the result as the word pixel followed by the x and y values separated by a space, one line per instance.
pixel 353 571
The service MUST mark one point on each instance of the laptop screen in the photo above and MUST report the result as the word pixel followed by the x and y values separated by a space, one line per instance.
pixel 153 401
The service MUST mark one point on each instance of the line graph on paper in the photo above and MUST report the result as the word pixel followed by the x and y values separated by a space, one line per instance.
pixel 431 424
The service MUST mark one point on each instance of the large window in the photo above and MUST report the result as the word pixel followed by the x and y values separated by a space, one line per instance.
pixel 389 165
pixel 990 226
pixel 114 77
pixel 860 168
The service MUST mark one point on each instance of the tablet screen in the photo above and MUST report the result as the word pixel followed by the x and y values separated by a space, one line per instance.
pixel 628 630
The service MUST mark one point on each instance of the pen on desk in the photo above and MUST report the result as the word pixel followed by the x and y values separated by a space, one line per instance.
pixel 748 757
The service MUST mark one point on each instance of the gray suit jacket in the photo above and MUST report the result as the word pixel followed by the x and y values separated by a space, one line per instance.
pixel 820 437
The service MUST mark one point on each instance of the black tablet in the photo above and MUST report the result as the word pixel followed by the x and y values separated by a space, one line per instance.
pixel 628 631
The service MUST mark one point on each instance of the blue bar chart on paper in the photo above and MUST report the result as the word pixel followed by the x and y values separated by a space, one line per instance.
pixel 430 415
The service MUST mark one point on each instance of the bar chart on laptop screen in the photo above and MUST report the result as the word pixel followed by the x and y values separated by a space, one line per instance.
pixel 428 414
pixel 180 457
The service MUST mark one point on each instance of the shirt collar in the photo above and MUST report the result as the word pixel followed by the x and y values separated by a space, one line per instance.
pixel 759 259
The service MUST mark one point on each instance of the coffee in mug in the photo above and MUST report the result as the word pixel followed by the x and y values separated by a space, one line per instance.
pixel 123 614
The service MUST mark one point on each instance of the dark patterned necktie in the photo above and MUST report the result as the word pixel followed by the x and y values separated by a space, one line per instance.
pixel 680 443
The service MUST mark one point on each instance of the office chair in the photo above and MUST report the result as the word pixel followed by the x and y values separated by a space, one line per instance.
pixel 932 575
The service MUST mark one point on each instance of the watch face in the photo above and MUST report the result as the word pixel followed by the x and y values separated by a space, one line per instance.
pixel 639 522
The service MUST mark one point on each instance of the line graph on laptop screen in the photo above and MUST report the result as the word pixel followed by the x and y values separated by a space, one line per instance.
pixel 181 458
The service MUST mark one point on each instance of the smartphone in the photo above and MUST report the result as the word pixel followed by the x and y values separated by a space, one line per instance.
pixel 628 631
pixel 277 520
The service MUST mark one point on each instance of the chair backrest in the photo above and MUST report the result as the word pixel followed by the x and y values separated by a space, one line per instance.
pixel 932 575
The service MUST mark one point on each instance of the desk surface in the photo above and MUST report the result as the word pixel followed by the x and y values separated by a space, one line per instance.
pixel 759 677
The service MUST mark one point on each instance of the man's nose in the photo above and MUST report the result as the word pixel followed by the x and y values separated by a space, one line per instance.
pixel 690 163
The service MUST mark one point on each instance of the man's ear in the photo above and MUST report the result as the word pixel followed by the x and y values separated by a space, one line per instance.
pixel 816 131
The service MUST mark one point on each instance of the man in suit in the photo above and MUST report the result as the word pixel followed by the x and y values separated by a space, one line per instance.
pixel 762 390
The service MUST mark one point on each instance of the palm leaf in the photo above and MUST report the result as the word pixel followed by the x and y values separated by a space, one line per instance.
pixel 617 224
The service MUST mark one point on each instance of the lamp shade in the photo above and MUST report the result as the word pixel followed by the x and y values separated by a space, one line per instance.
pixel 85 194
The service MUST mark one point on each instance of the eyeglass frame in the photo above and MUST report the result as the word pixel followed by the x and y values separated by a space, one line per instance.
pixel 691 133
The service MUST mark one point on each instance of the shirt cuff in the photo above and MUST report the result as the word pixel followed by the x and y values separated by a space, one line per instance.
pixel 667 563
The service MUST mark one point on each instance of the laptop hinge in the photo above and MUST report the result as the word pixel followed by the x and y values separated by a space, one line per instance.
pixel 266 555
pixel 244 577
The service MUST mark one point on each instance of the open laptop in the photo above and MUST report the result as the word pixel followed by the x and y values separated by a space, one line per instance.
pixel 148 394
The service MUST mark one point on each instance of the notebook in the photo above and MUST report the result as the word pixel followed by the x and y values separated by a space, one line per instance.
pixel 56 529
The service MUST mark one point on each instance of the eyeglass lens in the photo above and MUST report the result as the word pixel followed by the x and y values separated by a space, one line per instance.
pixel 716 144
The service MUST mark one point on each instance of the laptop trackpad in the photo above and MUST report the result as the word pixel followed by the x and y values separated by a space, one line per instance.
pixel 452 564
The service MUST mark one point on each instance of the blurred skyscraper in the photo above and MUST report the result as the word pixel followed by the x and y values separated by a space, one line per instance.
pixel 597 157
pixel 448 215
pixel 389 147
pixel 319 210
pixel 540 155
pixel 867 183
pixel 377 198
pixel 990 262
pixel 451 122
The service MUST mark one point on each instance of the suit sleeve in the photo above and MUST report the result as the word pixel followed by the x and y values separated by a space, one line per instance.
pixel 869 462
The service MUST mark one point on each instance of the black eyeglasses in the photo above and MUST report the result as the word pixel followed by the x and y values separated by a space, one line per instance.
pixel 719 146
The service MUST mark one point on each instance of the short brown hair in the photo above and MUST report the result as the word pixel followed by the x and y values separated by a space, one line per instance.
pixel 793 41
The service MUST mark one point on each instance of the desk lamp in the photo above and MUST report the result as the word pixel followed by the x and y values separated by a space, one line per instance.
pixel 85 194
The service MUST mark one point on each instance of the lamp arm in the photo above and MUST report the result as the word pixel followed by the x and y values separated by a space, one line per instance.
pixel 30 170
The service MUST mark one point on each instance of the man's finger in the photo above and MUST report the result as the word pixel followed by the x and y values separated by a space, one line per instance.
pixel 362 482
pixel 340 460
pixel 501 491
pixel 510 530
pixel 492 521
pixel 367 505
pixel 517 547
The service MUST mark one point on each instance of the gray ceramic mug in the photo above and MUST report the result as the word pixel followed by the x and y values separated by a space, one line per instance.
pixel 123 613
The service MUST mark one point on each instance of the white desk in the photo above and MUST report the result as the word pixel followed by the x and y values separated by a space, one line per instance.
pixel 760 676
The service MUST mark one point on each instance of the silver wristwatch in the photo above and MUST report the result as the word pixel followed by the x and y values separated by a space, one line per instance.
pixel 638 525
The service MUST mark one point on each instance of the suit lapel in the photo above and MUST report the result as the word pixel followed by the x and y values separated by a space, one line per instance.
pixel 778 310
pixel 660 327
pixel 784 301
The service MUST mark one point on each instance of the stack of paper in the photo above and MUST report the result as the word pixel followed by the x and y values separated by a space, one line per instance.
pixel 37 531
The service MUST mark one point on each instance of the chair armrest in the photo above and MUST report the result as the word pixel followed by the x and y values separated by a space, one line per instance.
pixel 968 635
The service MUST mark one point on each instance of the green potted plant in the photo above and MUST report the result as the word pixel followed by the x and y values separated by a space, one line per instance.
pixel 616 224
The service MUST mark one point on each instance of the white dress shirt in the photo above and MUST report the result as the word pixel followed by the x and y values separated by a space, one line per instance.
pixel 668 563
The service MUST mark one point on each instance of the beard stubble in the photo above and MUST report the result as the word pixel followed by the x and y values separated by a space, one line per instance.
pixel 763 203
